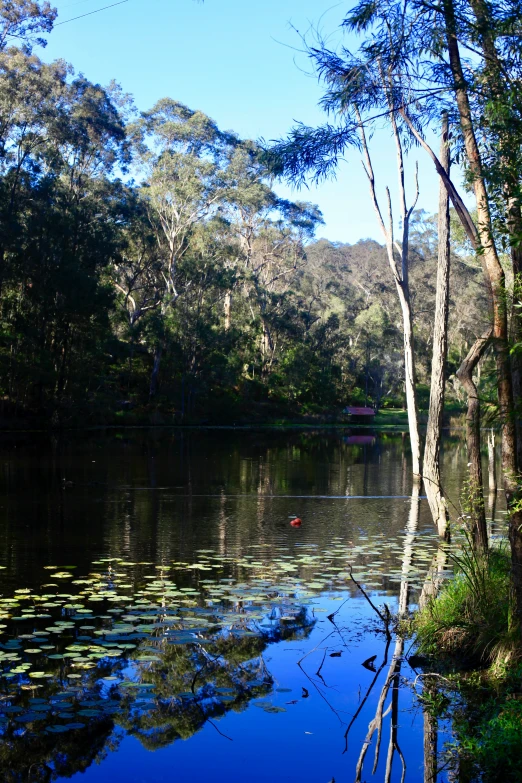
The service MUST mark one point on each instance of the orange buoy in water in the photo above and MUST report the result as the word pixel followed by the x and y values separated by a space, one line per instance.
pixel 296 522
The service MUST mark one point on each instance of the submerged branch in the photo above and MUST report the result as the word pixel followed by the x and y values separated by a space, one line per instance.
pixel 385 620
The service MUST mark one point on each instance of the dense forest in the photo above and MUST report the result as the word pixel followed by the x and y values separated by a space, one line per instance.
pixel 148 267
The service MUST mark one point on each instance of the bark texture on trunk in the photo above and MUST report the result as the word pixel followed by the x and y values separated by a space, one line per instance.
pixel 492 480
pixel 431 463
pixel 495 84
pixel 477 511
pixel 514 224
pixel 435 577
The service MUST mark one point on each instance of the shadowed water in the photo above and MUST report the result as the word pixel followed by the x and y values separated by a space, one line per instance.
pixel 166 604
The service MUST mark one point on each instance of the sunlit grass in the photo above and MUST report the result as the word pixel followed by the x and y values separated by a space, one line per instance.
pixel 469 621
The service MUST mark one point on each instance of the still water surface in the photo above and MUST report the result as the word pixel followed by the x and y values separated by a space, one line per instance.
pixel 161 619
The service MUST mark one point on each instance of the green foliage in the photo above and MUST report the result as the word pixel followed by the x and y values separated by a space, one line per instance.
pixel 489 740
pixel 23 20
pixel 469 621
pixel 191 292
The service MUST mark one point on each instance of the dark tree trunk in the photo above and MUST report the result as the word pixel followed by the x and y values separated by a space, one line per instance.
pixel 477 511
pixel 430 739
pixel 515 230
pixel 154 378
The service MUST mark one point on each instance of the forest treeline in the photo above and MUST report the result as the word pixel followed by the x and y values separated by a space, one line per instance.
pixel 147 263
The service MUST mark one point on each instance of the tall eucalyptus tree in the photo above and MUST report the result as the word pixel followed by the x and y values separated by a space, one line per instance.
pixel 426 41
pixel 270 234
pixel 183 157
pixel 61 140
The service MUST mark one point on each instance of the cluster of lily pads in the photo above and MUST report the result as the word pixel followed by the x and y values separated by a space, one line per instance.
pixel 77 646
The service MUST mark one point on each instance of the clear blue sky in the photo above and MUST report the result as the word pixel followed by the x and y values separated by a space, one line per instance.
pixel 236 61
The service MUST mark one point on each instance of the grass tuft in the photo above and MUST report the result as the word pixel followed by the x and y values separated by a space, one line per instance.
pixel 468 624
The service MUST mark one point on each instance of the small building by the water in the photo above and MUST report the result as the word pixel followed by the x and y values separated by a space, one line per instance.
pixel 359 415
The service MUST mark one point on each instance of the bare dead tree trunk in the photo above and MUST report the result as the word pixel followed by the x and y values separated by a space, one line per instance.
pixel 400 276
pixel 431 463
pixel 477 511
pixel 410 380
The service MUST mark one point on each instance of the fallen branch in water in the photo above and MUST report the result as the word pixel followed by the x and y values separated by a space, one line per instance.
pixel 385 620
pixel 332 615
pixel 429 674
pixel 363 702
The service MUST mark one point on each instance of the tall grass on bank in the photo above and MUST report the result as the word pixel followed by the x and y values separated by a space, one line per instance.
pixel 468 624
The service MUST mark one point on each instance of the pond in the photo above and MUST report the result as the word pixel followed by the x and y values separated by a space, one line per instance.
pixel 162 619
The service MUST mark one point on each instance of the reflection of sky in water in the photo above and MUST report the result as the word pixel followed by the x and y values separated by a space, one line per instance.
pixel 304 744
pixel 161 498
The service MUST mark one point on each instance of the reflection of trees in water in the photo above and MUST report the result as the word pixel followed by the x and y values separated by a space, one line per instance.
pixel 171 698
pixel 393 674
pixel 136 495
pixel 208 681
pixel 41 758
pixel 431 735
pixel 246 475
pixel 141 523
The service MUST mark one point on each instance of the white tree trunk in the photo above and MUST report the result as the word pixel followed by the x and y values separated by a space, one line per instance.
pixel 431 464
pixel 409 548
pixel 400 276
pixel 410 382
pixel 227 306
pixel 492 462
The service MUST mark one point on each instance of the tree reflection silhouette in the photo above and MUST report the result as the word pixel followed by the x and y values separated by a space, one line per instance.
pixel 171 698
pixel 393 675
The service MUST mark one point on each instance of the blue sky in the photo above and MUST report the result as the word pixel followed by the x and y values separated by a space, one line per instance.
pixel 237 62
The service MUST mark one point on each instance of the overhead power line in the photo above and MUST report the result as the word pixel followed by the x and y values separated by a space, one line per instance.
pixel 90 13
